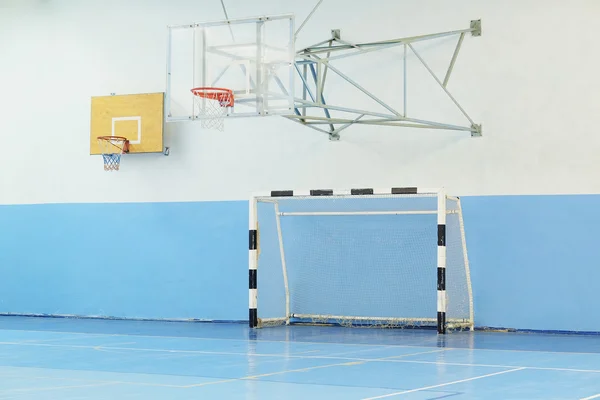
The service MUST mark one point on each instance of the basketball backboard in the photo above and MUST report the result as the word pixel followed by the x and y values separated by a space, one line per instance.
pixel 253 57
pixel 137 117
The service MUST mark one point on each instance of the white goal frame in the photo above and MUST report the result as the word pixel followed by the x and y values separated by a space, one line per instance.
pixel 441 321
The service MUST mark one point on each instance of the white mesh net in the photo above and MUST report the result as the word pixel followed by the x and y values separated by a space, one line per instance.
pixel 211 105
pixel 458 282
pixel 112 148
pixel 112 162
pixel 375 265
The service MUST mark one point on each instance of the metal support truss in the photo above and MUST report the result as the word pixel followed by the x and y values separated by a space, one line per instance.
pixel 314 63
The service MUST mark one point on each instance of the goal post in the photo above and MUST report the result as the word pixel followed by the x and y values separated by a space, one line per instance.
pixel 394 257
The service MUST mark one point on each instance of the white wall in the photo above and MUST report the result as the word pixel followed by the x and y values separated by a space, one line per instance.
pixel 532 80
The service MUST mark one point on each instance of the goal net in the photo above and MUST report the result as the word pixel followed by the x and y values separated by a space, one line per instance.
pixel 376 260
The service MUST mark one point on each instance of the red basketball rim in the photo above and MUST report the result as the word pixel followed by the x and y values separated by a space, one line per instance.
pixel 222 95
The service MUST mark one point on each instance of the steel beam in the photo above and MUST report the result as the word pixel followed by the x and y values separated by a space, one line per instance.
pixel 412 39
pixel 365 91
pixel 441 84
pixel 317 59
pixel 308 104
pixel 307 18
pixel 404 86
pixel 382 121
pixel 320 98
pixel 454 56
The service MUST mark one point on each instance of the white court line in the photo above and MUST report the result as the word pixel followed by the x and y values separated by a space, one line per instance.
pixel 262 363
pixel 249 377
pixel 57 388
pixel 205 352
pixel 312 343
pixel 230 353
pixel 442 384
pixel 56 339
pixel 108 349
pixel 596 396
pixel 391 358
pixel 352 362
pixel 253 340
pixel 456 364
pixel 97 382
pixel 345 353
pixel 253 377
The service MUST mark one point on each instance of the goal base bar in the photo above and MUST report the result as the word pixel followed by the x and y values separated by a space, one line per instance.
pixel 364 322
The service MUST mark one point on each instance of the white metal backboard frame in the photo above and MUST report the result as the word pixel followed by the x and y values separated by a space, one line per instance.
pixel 254 57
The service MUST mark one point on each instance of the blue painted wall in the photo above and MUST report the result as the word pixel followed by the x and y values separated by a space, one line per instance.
pixel 142 260
pixel 533 260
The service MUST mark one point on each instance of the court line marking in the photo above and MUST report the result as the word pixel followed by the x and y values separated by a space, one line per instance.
pixel 58 339
pixel 593 371
pixel 283 355
pixel 231 353
pixel 245 364
pixel 352 362
pixel 344 353
pixel 104 349
pixel 432 339
pixel 442 384
pixel 111 344
pixel 415 354
pixel 102 381
pixel 249 340
pixel 57 387
pixel 268 374
pixel 597 396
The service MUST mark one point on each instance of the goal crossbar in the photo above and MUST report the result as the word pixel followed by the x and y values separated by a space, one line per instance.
pixel 334 213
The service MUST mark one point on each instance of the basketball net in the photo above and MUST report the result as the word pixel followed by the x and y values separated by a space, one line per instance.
pixel 211 105
pixel 112 147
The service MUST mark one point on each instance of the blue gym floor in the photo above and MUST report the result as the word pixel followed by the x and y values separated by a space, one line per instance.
pixel 46 358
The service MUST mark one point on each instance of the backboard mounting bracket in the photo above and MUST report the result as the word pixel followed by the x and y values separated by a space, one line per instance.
pixel 476 27
pixel 320 59
pixel 476 130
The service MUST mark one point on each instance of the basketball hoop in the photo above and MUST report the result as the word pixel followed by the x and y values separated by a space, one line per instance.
pixel 212 104
pixel 112 147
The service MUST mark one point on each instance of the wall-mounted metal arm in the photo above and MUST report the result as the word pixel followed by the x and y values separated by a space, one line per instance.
pixel 318 60
pixel 412 39
pixel 441 84
pixel 307 18
pixel 454 56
